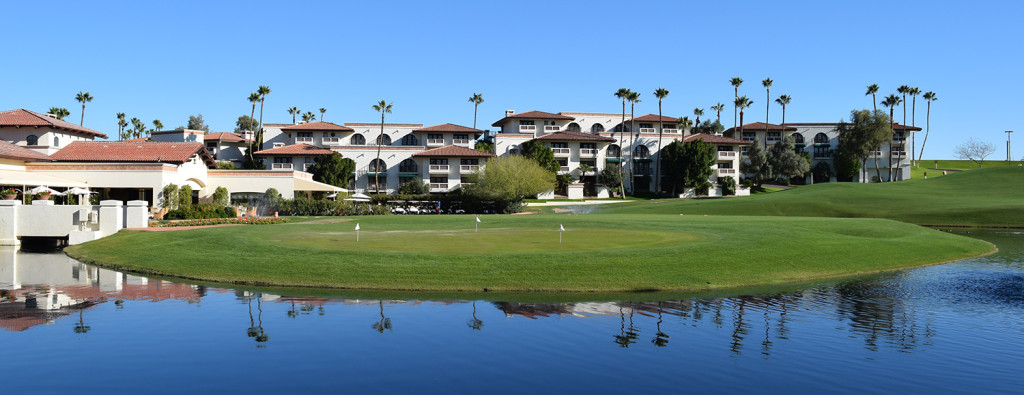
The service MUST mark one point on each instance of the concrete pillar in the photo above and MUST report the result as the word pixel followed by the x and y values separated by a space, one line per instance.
pixel 575 191
pixel 9 222
pixel 111 217
pixel 137 214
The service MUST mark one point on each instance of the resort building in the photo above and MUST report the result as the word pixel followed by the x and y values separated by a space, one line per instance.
pixel 43 133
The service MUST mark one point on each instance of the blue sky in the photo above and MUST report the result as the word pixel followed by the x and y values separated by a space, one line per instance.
pixel 168 60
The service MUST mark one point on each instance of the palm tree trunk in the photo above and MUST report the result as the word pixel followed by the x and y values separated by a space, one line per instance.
pixel 82 121
pixel 376 170
pixel 259 132
pixel 927 128
pixel 874 102
pixel 891 140
pixel 657 165
pixel 475 105
pixel 632 142
pixel 913 123
pixel 767 108
pixel 622 129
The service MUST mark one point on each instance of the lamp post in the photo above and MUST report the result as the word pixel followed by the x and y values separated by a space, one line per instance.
pixel 1008 157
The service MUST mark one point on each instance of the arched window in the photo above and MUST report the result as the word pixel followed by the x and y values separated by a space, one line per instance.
pixel 358 139
pixel 820 138
pixel 641 152
pixel 410 139
pixel 32 140
pixel 377 166
pixel 573 127
pixel 408 166
pixel 614 151
pixel 383 140
pixel 597 128
pixel 56 141
pixel 798 138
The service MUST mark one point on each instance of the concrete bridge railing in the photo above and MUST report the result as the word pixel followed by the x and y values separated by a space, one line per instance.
pixel 78 224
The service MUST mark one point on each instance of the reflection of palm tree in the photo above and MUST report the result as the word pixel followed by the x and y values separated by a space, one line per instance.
pixel 660 338
pixel 625 337
pixel 260 337
pixel 291 312
pixel 475 323
pixel 81 327
pixel 384 323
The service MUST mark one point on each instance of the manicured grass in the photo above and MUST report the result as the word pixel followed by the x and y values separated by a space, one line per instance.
pixel 935 170
pixel 599 252
pixel 984 197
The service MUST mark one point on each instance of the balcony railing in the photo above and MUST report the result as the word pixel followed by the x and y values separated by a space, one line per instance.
pixel 468 168
pixel 647 130
pixel 282 166
pixel 460 142
pixel 435 142
pixel 527 128
pixel 726 154
pixel 773 140
pixel 588 152
pixel 550 128
pixel 303 140
pixel 370 187
pixel 560 151
pixel 726 172
pixel 438 187
pixel 563 169
pixel 670 131
pixel 438 168
pixel 331 141
pixel 898 154
pixel 306 166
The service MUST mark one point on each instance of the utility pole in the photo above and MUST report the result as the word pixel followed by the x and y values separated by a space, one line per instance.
pixel 1009 159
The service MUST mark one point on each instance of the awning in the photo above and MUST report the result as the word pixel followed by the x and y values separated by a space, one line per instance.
pixel 12 177
pixel 302 184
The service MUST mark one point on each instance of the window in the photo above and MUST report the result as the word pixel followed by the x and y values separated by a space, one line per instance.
pixel 820 138
pixel 573 127
pixel 282 159
pixel 587 145
pixel 591 163
pixel 304 134
pixel 310 159
pixel 749 136
pixel 377 166
pixel 724 165
pixel 439 161
pixel 597 128
pixel 646 126
pixel 433 136
pixel 32 140
pixel 383 140
pixel 526 122
pixel 278 145
pixel 56 141
pixel 559 145
pixel 358 139
pixel 439 180
pixel 822 151
pixel 460 137
pixel 642 169
pixel 798 138
pixel 470 161
pixel 408 166
pixel 774 136
pixel 614 151
pixel 724 148
pixel 410 139
pixel 641 152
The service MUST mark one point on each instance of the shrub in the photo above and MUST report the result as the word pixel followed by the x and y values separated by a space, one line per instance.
pixel 728 185
pixel 221 196
pixel 169 198
pixel 226 166
pixel 201 211
pixel 185 197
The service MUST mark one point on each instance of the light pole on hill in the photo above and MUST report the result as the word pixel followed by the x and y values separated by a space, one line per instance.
pixel 1008 157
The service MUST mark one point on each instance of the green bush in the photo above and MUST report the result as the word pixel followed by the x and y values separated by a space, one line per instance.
pixel 309 207
pixel 728 185
pixel 201 211
pixel 221 196
pixel 169 198
pixel 184 197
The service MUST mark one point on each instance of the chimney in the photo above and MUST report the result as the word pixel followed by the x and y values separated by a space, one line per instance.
pixel 509 112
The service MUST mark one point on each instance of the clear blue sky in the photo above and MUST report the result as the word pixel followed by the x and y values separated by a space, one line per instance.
pixel 170 59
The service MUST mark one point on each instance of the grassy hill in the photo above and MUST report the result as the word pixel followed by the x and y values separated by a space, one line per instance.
pixel 992 196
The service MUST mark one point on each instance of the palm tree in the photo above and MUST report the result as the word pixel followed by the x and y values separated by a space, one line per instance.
pixel 476 99
pixel 263 91
pixel 59 112
pixel 385 322
pixel 308 116
pixel 718 111
pixel 253 98
pixel 767 84
pixel 872 90
pixel 684 123
pixel 913 112
pixel 293 111
pixel 634 98
pixel 157 125
pixel 120 125
pixel 891 102
pixel 322 111
pixel 930 97
pixel 697 112
pixel 743 103
pixel 83 97
pixel 622 93
pixel 660 93
pixel 736 82
pixel 783 101
pixel 383 108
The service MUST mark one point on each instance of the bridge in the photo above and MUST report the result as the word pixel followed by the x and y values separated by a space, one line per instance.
pixel 68 224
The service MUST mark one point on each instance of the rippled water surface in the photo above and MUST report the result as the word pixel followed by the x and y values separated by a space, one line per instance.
pixel 70 327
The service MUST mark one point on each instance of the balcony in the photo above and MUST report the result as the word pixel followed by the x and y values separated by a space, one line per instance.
pixel 435 142
pixel 670 131
pixel 648 130
pixel 303 140
pixel 560 151
pixel 331 141
pixel 372 188
pixel 772 140
pixel 527 128
pixel 466 169
pixel 550 128
pixel 306 166
pixel 460 141
pixel 727 155
pixel 588 153
pixel 899 139
pixel 282 166
pixel 438 187
pixel 875 154
pixel 439 169
pixel 725 172
pixel 563 170
pixel 898 154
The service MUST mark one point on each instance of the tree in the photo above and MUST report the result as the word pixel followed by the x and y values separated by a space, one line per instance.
pixel 634 98
pixel 157 125
pixel 698 157
pixel 83 97
pixel 221 196
pixel 121 123
pixel 697 113
pixel 684 123
pixel 872 90
pixel 383 108
pixel 662 93
pixel 476 99
pixel 59 112
pixel 974 150
pixel 743 103
pixel 137 127
pixel 263 91
pixel 735 82
pixel 756 164
pixel 308 116
pixel 671 159
pixel 891 102
pixel 322 111
pixel 913 92
pixel 414 186
pixel 785 161
pixel 185 197
pixel 610 176
pixel 718 111
pixel 195 122
pixel 513 177
pixel 540 154
pixel 707 127
pixel 767 84
pixel 866 134
pixel 484 146
pixel 293 111
pixel 622 93
pixel 253 98
pixel 333 169
pixel 849 153
pixel 783 101
pixel 244 123
pixel 169 197
pixel 930 97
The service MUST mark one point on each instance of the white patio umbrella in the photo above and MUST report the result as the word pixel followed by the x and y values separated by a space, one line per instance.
pixel 78 191
pixel 332 196
pixel 41 189
pixel 360 196
pixel 355 199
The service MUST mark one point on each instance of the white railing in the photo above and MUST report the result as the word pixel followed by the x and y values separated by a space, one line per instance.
pixel 898 154
pixel 299 140
pixel 647 130
pixel 773 140
pixel 670 131
pixel 726 171
pixel 438 168
pixel 726 154
pixel 588 152
pixel 468 168
pixel 306 166
pixel 282 166
pixel 560 151
pixel 527 128
pixel 433 142
pixel 460 141
pixel 438 187
pixel 331 141
pixel 550 128
pixel 564 169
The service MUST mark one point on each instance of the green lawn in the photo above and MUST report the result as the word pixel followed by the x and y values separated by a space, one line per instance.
pixel 598 253
pixel 984 197
pixel 934 168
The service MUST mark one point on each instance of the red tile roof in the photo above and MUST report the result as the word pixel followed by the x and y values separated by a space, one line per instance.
pixel 449 127
pixel 453 151
pixel 224 136
pixel 897 126
pixel 566 135
pixel 654 118
pixel 318 125
pixel 11 151
pixel 295 149
pixel 138 140
pixel 125 151
pixel 23 117
pixel 755 126
pixel 533 115
pixel 714 139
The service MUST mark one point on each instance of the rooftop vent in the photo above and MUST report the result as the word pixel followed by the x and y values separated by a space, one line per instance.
pixel 509 112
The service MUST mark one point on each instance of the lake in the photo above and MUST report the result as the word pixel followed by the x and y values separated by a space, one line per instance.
pixel 66 326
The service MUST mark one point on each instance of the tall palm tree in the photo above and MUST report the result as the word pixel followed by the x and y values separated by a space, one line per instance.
pixel 913 112
pixel 263 92
pixel 736 82
pixel 891 102
pixel 930 97
pixel 157 125
pixel 293 111
pixel 322 111
pixel 743 103
pixel 697 112
pixel 83 97
pixel 120 125
pixel 309 116
pixel 476 99
pixel 634 98
pixel 872 90
pixel 622 93
pixel 767 84
pixel 660 93
pixel 718 111
pixel 383 108
pixel 783 101
pixel 253 98
pixel 59 112
pixel 684 123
